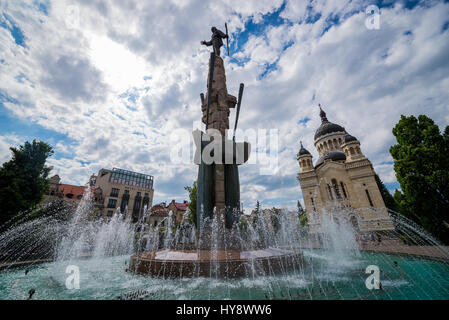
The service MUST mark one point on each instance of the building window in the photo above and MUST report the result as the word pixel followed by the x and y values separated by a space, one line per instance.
pixel 369 198
pixel 112 203
pixel 131 178
pixel 114 192
pixel 337 191
pixel 343 189
pixel 136 209
pixel 313 204
pixel 124 204
pixel 331 197
pixel 110 213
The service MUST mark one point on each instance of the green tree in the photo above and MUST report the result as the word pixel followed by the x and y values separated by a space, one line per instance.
pixel 24 179
pixel 421 163
pixel 275 219
pixel 386 195
pixel 300 208
pixel 257 209
pixel 192 205
pixel 302 215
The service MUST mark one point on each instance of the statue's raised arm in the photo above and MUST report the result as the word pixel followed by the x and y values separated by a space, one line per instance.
pixel 216 41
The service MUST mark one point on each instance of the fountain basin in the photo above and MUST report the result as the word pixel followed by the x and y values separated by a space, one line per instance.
pixel 221 263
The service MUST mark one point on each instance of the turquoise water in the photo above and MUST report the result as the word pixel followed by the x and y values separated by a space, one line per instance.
pixel 324 277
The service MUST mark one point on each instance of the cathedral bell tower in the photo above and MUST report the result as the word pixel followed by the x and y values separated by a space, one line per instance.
pixel 304 159
pixel 351 148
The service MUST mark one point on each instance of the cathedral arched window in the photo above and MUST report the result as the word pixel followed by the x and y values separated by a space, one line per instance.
pixel 357 149
pixel 335 144
pixel 369 198
pixel 336 189
pixel 339 141
pixel 351 150
pixel 343 189
pixel 331 197
pixel 331 147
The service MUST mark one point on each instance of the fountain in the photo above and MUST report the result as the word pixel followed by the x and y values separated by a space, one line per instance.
pixel 35 255
pixel 218 250
pixel 223 254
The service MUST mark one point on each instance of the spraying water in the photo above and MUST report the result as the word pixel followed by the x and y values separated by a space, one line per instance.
pixel 413 264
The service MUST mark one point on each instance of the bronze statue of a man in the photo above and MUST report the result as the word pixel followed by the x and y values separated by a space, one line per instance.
pixel 216 41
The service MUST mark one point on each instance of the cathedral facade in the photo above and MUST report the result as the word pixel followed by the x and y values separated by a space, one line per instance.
pixel 343 179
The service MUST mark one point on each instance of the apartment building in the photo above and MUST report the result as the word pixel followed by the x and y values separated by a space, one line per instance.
pixel 128 191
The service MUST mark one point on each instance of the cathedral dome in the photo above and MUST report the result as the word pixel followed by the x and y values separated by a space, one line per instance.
pixel 333 156
pixel 303 151
pixel 326 126
pixel 349 138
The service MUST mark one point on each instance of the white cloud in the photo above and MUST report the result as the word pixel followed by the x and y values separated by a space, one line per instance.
pixel 5 143
pixel 118 85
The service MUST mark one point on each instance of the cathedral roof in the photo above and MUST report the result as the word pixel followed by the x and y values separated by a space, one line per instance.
pixel 349 138
pixel 303 151
pixel 333 156
pixel 326 126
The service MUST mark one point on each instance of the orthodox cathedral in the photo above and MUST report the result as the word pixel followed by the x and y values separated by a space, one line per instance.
pixel 341 178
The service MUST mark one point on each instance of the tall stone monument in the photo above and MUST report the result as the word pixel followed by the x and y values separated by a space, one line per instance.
pixel 219 250
pixel 218 182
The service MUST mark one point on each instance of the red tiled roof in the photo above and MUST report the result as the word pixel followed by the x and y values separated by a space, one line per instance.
pixel 159 210
pixel 70 189
pixel 180 205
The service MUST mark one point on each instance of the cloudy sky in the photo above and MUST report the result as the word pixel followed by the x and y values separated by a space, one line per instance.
pixel 107 82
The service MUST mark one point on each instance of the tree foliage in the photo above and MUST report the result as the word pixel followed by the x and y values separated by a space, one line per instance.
pixel 300 208
pixel 24 179
pixel 421 164
pixel 386 195
pixel 192 206
pixel 302 215
pixel 257 209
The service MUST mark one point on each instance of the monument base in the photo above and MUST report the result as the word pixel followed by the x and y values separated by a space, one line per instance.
pixel 221 263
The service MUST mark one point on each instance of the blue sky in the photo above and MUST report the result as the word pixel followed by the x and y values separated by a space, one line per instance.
pixel 106 85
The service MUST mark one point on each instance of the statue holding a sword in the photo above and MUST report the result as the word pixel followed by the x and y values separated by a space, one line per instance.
pixel 216 41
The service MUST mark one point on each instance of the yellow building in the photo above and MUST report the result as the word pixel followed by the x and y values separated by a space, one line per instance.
pixel 341 178
pixel 127 190
pixel 158 214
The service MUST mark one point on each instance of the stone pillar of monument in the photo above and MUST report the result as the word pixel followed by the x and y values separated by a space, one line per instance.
pixel 220 103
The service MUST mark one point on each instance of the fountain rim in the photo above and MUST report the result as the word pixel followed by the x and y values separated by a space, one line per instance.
pixel 286 253
pixel 19 264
